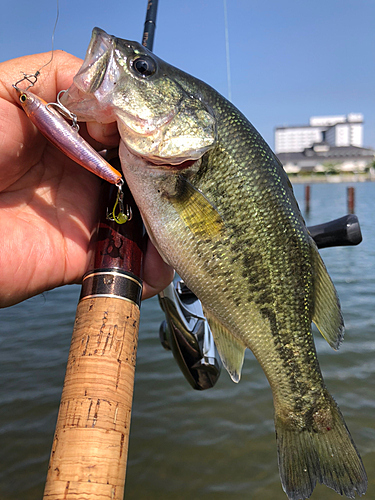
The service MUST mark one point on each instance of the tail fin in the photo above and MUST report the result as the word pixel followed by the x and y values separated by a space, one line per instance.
pixel 323 452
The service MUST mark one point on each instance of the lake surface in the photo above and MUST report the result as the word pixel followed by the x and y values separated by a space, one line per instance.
pixel 212 445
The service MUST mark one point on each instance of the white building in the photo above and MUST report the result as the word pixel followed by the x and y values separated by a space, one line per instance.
pixel 324 158
pixel 338 131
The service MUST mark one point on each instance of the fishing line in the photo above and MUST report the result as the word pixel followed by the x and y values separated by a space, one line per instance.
pixel 52 38
pixel 227 50
pixel 33 78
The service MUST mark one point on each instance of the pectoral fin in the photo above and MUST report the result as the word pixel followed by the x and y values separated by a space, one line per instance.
pixel 196 211
pixel 231 350
pixel 327 312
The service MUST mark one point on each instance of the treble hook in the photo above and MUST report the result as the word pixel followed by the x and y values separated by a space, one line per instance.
pixel 124 214
pixel 64 111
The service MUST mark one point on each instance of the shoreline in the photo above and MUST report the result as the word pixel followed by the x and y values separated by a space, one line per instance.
pixel 331 179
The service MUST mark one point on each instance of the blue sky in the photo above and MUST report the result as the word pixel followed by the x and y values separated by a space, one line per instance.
pixel 289 59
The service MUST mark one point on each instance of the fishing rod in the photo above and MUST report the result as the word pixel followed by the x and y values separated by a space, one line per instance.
pixel 90 447
pixel 150 24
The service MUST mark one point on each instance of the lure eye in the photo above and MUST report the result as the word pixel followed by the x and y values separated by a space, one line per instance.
pixel 23 97
pixel 144 66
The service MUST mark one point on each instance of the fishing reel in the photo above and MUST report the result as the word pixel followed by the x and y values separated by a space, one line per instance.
pixel 186 332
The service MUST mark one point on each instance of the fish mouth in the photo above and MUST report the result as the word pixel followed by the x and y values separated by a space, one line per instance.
pixel 92 72
pixel 81 98
pixel 99 43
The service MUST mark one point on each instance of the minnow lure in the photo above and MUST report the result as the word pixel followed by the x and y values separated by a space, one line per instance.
pixel 65 137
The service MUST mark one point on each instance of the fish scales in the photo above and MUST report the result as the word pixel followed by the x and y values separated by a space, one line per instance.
pixel 220 209
pixel 252 223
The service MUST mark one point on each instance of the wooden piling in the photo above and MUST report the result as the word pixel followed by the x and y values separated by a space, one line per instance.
pixel 351 199
pixel 307 198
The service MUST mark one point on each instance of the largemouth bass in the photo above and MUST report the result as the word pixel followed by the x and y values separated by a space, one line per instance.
pixel 220 209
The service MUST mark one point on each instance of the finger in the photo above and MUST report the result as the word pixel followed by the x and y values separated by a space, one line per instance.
pixel 54 77
pixel 104 133
pixel 157 274
pixel 21 144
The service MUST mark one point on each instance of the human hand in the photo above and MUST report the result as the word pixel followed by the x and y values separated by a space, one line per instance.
pixel 48 203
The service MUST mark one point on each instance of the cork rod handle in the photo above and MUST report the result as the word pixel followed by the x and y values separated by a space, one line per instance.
pixel 89 452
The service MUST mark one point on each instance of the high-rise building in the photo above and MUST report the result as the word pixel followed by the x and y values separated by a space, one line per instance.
pixel 339 131
pixel 327 144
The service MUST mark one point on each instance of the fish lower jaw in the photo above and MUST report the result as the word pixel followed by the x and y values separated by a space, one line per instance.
pixel 171 165
pixel 163 165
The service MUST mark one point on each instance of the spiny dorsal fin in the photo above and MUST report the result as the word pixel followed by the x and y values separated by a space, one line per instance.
pixel 327 312
pixel 231 350
pixel 196 211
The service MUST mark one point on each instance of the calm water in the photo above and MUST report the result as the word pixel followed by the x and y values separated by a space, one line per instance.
pixel 184 444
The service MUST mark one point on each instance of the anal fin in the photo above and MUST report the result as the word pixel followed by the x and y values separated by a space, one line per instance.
pixel 231 350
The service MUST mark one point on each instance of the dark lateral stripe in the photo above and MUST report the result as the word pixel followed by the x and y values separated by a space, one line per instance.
pixel 112 283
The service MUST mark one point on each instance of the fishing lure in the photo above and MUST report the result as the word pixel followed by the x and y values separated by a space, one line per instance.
pixel 64 136
pixel 48 118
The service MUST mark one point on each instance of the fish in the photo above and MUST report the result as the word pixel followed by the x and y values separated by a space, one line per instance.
pixel 220 209
pixel 65 137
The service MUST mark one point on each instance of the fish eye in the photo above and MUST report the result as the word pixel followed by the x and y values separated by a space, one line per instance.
pixel 23 97
pixel 144 66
